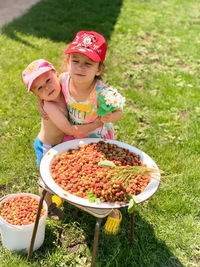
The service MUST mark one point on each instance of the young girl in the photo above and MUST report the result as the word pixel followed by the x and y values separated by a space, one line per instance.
pixel 41 78
pixel 81 88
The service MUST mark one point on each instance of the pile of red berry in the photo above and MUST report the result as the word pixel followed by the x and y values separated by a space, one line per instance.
pixel 77 172
pixel 21 210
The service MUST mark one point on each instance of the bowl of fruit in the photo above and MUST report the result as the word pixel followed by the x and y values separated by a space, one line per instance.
pixel 100 174
pixel 17 217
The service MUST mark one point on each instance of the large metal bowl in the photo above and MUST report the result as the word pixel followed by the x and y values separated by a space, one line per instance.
pixel 77 201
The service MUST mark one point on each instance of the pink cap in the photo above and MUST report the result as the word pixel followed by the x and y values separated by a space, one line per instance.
pixel 34 70
pixel 90 44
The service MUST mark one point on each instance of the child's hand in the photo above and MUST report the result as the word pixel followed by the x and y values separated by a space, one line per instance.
pixel 112 116
pixel 43 114
pixel 107 118
pixel 98 122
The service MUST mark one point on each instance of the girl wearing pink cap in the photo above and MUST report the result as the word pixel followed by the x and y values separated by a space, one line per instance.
pixel 41 78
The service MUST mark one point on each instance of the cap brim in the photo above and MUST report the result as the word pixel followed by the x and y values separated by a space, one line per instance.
pixel 39 72
pixel 92 55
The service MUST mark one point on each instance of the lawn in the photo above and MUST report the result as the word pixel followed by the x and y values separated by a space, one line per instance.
pixel 153 60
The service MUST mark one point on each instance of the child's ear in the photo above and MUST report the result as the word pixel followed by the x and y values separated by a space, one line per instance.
pixel 100 69
pixel 67 58
pixel 60 79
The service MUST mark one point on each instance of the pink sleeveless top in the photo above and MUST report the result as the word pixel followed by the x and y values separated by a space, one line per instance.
pixel 84 112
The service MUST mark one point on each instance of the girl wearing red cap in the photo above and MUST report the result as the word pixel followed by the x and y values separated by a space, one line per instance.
pixel 85 94
pixel 81 86
pixel 87 98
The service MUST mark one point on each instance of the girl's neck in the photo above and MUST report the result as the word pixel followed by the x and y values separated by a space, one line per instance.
pixel 80 91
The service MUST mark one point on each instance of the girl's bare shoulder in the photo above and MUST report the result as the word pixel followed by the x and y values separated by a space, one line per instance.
pixel 50 106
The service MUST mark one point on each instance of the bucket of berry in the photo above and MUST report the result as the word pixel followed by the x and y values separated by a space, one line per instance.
pixel 17 217
pixel 99 174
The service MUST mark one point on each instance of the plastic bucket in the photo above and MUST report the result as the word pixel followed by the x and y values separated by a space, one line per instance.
pixel 18 237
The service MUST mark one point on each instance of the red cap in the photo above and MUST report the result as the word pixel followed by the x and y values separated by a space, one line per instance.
pixel 90 44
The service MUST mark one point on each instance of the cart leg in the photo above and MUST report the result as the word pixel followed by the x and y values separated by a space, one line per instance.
pixel 76 212
pixel 96 239
pixel 132 228
pixel 36 225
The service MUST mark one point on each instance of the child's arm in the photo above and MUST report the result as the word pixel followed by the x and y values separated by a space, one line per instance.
pixel 62 123
pixel 112 116
pixel 43 114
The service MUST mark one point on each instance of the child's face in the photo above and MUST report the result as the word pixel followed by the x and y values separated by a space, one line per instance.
pixel 47 86
pixel 82 69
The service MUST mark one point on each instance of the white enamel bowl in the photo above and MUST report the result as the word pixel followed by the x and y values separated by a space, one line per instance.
pixel 45 171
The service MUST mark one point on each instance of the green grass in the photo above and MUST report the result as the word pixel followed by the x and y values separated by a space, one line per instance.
pixel 153 59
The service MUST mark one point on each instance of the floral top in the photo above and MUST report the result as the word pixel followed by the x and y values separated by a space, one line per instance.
pixel 84 112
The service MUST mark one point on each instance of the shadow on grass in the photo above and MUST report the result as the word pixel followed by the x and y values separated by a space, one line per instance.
pixel 60 20
pixel 147 250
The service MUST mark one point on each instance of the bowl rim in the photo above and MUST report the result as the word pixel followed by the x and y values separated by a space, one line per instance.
pixel 15 195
